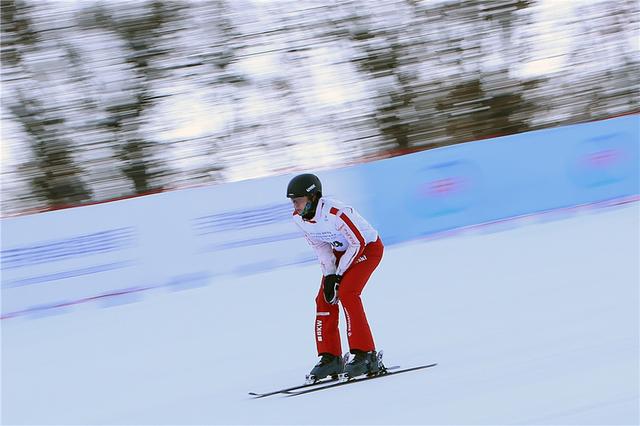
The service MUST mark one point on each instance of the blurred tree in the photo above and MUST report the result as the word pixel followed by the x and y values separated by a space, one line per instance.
pixel 224 46
pixel 465 99
pixel 380 56
pixel 155 93
pixel 142 28
pixel 221 43
pixel 52 172
pixel 17 31
pixel 602 58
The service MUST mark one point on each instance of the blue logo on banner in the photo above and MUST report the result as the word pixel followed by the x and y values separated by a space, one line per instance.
pixel 243 219
pixel 443 189
pixel 602 160
pixel 84 245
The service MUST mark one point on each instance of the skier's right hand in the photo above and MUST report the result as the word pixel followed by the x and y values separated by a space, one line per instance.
pixel 331 284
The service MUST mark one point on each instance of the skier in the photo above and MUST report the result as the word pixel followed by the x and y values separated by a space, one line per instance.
pixel 349 250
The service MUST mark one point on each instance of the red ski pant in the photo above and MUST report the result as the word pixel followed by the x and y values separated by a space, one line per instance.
pixel 351 286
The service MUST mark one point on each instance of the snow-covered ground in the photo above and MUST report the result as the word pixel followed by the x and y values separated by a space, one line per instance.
pixel 533 325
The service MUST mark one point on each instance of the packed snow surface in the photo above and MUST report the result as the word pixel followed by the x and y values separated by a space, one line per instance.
pixel 531 325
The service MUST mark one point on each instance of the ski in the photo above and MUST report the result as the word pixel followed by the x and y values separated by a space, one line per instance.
pixel 293 392
pixel 309 381
pixel 291 389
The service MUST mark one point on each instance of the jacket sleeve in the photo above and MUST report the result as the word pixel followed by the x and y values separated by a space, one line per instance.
pixel 325 255
pixel 356 241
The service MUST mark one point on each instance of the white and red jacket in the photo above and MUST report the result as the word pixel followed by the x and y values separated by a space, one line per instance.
pixel 338 227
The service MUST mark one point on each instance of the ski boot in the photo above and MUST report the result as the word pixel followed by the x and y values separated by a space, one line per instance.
pixel 369 363
pixel 329 365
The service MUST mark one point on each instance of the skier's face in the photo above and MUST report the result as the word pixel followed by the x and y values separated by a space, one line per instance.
pixel 299 203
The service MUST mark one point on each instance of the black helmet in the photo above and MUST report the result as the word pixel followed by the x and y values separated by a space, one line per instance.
pixel 302 185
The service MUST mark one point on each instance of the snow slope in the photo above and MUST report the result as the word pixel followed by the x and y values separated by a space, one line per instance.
pixel 532 325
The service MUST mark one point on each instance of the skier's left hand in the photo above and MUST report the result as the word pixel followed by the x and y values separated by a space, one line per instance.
pixel 331 284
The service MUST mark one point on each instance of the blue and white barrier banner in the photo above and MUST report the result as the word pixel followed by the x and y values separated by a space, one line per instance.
pixel 175 240
pixel 484 181
pixel 180 239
